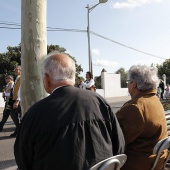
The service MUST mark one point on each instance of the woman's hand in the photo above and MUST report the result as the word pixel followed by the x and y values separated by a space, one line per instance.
pixel 15 105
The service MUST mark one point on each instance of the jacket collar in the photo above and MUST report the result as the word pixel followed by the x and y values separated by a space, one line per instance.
pixel 142 93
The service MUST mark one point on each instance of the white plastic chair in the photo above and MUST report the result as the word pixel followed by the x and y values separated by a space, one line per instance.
pixel 167 116
pixel 112 163
pixel 159 147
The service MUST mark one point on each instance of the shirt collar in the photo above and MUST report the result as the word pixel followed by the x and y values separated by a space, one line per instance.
pixel 57 88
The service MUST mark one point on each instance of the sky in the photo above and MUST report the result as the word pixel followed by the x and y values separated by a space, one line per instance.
pixel 124 31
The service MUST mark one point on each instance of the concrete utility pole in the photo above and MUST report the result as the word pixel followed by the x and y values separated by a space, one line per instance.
pixel 33 50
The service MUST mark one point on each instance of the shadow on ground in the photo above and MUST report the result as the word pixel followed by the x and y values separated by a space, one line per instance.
pixel 4 137
pixel 8 164
pixel 10 129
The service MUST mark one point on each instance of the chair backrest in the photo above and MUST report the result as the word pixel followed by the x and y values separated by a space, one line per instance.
pixel 112 163
pixel 159 147
pixel 167 116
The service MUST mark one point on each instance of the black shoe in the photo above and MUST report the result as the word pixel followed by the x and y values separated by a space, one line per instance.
pixel 13 135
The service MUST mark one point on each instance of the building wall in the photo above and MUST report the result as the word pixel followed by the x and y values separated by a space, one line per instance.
pixel 111 84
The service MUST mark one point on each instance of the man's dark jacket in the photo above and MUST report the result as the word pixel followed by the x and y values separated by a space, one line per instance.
pixel 70 129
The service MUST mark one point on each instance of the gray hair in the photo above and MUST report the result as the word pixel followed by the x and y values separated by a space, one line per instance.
pixel 57 69
pixel 145 77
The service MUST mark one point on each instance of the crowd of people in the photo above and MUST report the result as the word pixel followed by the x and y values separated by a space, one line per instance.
pixel 75 128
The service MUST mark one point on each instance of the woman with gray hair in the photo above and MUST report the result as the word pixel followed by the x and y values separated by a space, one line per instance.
pixel 142 119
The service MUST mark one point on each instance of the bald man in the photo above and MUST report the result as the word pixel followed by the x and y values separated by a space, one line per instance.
pixel 71 128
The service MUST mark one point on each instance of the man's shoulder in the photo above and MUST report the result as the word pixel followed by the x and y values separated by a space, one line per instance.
pixel 80 95
pixel 39 105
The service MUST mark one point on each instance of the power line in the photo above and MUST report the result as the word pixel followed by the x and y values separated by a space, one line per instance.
pixel 10 24
pixel 63 29
pixel 78 30
pixel 48 28
pixel 12 28
pixel 125 45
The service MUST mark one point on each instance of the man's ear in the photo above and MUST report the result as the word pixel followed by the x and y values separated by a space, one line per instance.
pixel 134 84
pixel 47 83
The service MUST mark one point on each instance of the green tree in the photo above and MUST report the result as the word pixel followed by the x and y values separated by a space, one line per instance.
pixel 98 82
pixel 8 61
pixel 123 74
pixel 12 57
pixel 164 68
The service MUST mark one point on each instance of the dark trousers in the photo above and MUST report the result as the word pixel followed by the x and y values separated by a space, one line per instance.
pixel 15 113
pixel 6 114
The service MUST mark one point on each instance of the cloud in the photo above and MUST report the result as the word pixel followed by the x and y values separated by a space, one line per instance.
pixel 95 51
pixel 133 3
pixel 105 63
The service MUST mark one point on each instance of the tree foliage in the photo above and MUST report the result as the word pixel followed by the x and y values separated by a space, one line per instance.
pixel 123 74
pixel 98 82
pixel 12 57
pixel 164 68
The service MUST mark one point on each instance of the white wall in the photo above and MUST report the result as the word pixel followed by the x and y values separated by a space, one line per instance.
pixel 100 91
pixel 111 85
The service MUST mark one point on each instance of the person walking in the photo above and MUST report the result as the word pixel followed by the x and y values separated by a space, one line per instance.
pixel 16 109
pixel 71 128
pixel 7 95
pixel 167 92
pixel 162 87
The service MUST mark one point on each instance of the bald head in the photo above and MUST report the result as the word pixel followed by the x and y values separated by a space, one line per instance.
pixel 58 70
pixel 64 60
pixel 59 67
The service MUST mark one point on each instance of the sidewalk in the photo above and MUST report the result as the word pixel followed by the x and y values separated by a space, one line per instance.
pixel 113 100
pixel 7 160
